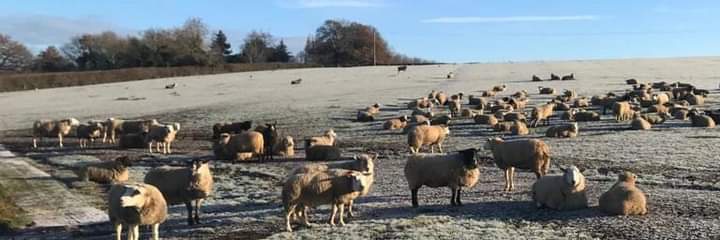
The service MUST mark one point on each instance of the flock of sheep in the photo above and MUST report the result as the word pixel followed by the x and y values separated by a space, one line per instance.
pixel 339 183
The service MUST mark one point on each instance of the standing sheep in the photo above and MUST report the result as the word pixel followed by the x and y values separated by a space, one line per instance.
pixel 561 192
pixel 455 107
pixel 530 154
pixel 270 139
pixel 542 113
pixel 184 185
pixel 427 135
pixel 622 111
pixel 135 204
pixel 624 198
pixel 563 131
pixel 396 123
pixel 454 170
pixel 163 135
pixel 88 133
pixel 53 128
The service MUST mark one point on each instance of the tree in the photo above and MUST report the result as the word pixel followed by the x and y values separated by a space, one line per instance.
pixel 219 48
pixel 257 47
pixel 339 42
pixel 50 60
pixel 14 56
pixel 280 53
pixel 189 43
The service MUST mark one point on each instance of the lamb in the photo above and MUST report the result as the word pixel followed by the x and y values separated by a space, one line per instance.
pixel 193 183
pixel 639 123
pixel 536 78
pixel 563 131
pixel 656 118
pixel 106 172
pixel 286 147
pixel 135 204
pixel 499 88
pixel 132 140
pixel 162 134
pixel 542 112
pixel 115 127
pixel 568 77
pixel 531 154
pixel 336 186
pixel 396 123
pixel 455 107
pixel 326 139
pixel 88 132
pixel 699 120
pixel 427 135
pixel 485 119
pixel 624 198
pixel 239 147
pixel 454 170
pixel 322 152
pixel 561 192
pixel 53 128
pixel 546 90
pixel 622 111
pixel 519 128
pixel 230 127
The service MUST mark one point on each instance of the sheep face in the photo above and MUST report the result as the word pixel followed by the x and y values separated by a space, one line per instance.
pixel 288 142
pixel 627 177
pixel 356 183
pixel 491 142
pixel 198 169
pixel 468 156
pixel 134 197
pixel 331 133
pixel 365 162
pixel 572 176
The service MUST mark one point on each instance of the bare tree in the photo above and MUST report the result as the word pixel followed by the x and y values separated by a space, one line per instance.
pixel 257 47
pixel 14 56
pixel 50 60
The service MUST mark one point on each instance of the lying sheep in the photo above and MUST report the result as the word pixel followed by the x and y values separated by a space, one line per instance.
pixel 514 116
pixel 554 77
pixel 499 88
pixel 163 135
pixel 53 128
pixel 622 111
pixel 639 123
pixel 364 116
pixel 694 99
pixel 519 128
pixel 328 138
pixel 561 192
pixel 336 187
pixel 680 113
pixel 433 94
pixel 286 148
pixel 454 170
pixel 531 154
pixel 485 119
pixel 441 98
pixel 624 198
pixel 396 123
pixel 466 112
pixel 503 126
pixel 586 116
pixel 661 98
pixel 441 120
pixel 373 109
pixel 563 131
pixel 135 204
pixel 631 81
pixel 658 108
pixel 132 140
pixel 699 120
pixel 581 102
pixel 421 103
pixel 422 112
pixel 536 78
pixel 116 127
pixel 427 135
pixel 488 93
pixel 546 90
pixel 656 118
pixel 239 147
pixel 106 172
pixel 189 184
pixel 88 133
pixel 230 127
pixel 568 77
pixel 322 152
pixel 542 112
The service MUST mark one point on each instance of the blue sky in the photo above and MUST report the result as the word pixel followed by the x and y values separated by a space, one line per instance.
pixel 448 31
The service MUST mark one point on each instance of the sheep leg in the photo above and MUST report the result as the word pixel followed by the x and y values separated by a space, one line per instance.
pixel 332 216
pixel 150 146
pixel 118 231
pixel 288 216
pixel 350 211
pixel 342 214
pixel 457 200
pixel 35 142
pixel 157 146
pixel 432 148
pixel 156 231
pixel 452 198
pixel 136 232
pixel 512 176
pixel 169 147
pixel 189 207
pixel 60 139
pixel 507 180
pixel 413 194
pixel 198 203
pixel 440 147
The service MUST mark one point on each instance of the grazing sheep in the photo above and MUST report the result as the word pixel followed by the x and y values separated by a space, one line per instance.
pixel 135 204
pixel 239 147
pixel 568 77
pixel 455 107
pixel 322 152
pixel 536 78
pixel 563 131
pixel 286 147
pixel 485 119
pixel 270 139
pixel 622 111
pixel 296 81
pixel 230 127
pixel 88 133
pixel 554 77
pixel 699 120
pixel 337 187
pixel 328 138
pixel 115 127
pixel 441 120
pixel 542 112
pixel 624 198
pixel 453 170
pixel 631 81
pixel 132 140
pixel 561 192
pixel 107 171
pixel 53 128
pixel 639 123
pixel 427 135
pixel 519 128
pixel 396 123
pixel 656 118
pixel 193 183
pixel 546 90
pixel 162 134
pixel 530 154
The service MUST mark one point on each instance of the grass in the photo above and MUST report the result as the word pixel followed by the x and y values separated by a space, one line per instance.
pixel 11 216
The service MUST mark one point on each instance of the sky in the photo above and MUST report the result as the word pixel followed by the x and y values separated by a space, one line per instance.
pixel 444 31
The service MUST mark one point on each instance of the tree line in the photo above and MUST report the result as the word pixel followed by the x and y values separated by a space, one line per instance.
pixel 335 43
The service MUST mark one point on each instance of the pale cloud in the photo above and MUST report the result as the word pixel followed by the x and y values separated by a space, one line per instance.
pixel 510 19
pixel 330 3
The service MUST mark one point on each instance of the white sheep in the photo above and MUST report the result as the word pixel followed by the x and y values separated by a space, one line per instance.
pixel 326 139
pixel 286 147
pixel 396 123
pixel 427 135
pixel 239 147
pixel 531 154
pixel 185 185
pixel 107 171
pixel 563 131
pixel 624 198
pixel 454 170
pixel 135 204
pixel 52 128
pixel 561 192
pixel 163 135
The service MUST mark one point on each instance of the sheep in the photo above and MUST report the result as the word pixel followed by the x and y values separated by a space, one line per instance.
pixel 622 111
pixel 715 115
pixel 658 108
pixel 53 128
pixel 514 116
pixel 624 198
pixel 660 98
pixel 581 102
pixel 335 186
pixel 488 93
pixel 698 120
pixel 563 131
pixel 568 77
pixel 421 103
pixel 230 127
pixel 466 112
pixel 458 97
pixel 424 112
pixel 485 119
pixel 520 94
pixel 453 170
pixel 433 94
pixel 162 134
pixel 656 118
pixel 115 127
pixel 450 75
pixel 536 78
pixel 135 204
pixel 694 99
pixel 322 152
pixel 192 183
pixel 519 128
pixel 569 114
pixel 639 123
pixel 546 90
pixel 542 112
pixel 554 77
pixel 107 171
pixel 286 147
pixel 88 133
pixel 455 107
pixel 270 139
pixel 518 103
pixel 170 86
pixel 441 120
pixel 561 192
pixel 631 81
pixel 296 81
pixel 132 140
pixel 328 138
pixel 419 119
pixel 499 88
pixel 679 113
pixel 396 123
pixel 531 154
pixel 363 116
pixel 503 126
pixel 373 109
pixel 239 147
pixel 441 98
pixel 479 101
pixel 402 68
pixel 586 116
pixel 427 135
pixel 501 106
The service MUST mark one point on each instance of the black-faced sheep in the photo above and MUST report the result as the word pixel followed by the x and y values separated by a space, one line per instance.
pixel 89 132
pixel 530 154
pixel 53 128
pixel 485 119
pixel 499 88
pixel 546 90
pixel 135 204
pixel 454 170
pixel 563 131
pixel 427 135
pixel 536 79
pixel 554 77
pixel 568 77
pixel 163 135
pixel 561 192
pixel 699 120
pixel 185 185
pixel 107 171
pixel 396 123
pixel 624 198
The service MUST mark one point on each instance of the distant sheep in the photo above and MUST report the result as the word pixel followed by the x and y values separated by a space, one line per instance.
pixel 427 135
pixel 466 112
pixel 396 123
pixel 554 77
pixel 485 119
pixel 363 116
pixel 402 68
pixel 563 131
pixel 519 128
pixel 296 81
pixel 631 81
pixel 185 185
pixel 624 198
pixel 546 90
pixel 163 135
pixel 561 192
pixel 53 128
pixel 536 79
pixel 474 100
pixel 441 98
pixel 455 107
pixel 622 111
pixel 656 118
pixel 106 171
pixel 454 170
pixel 230 127
pixel 568 77
pixel 132 140
pixel 586 116
pixel 531 154
pixel 639 123
pixel 328 138
pixel 499 88
pixel 135 204
pixel 89 132
pixel 541 113
pixel 699 120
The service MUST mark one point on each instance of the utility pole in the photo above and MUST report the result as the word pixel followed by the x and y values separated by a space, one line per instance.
pixel 374 56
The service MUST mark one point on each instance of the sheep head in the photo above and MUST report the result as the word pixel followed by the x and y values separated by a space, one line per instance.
pixel 572 176
pixel 355 181
pixel 627 176
pixel 365 162
pixel 468 157
pixel 134 196
pixel 199 169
